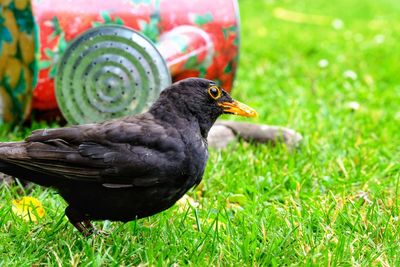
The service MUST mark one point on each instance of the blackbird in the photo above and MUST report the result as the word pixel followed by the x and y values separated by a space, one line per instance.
pixel 127 168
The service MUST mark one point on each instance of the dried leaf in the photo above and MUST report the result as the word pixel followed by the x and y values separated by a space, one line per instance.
pixel 185 201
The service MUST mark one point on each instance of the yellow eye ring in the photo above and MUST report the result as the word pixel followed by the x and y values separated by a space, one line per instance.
pixel 214 92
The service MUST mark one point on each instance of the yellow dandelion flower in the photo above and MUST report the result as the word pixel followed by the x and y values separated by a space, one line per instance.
pixel 28 208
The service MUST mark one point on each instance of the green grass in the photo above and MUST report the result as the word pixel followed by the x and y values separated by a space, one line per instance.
pixel 332 202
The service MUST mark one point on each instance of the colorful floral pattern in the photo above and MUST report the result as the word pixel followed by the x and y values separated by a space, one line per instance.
pixel 17 64
pixel 61 21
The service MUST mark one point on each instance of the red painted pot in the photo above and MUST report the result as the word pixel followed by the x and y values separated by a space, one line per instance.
pixel 101 59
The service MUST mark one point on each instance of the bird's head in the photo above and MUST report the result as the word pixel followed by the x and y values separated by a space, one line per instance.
pixel 202 99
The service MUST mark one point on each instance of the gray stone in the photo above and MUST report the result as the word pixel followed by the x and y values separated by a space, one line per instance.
pixel 224 132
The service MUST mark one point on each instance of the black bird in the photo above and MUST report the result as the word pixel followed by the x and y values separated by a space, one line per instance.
pixel 128 168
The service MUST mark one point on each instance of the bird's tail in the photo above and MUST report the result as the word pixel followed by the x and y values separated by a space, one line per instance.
pixel 12 150
pixel 13 161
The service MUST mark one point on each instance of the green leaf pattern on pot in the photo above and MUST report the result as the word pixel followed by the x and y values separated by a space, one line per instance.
pixel 201 19
pixel 53 55
pixel 105 15
pixel 150 28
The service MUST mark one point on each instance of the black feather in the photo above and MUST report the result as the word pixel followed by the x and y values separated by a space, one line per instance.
pixel 126 168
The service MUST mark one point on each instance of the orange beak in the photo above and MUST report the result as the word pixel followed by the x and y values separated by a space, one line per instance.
pixel 238 108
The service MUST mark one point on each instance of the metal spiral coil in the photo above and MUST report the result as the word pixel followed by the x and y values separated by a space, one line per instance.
pixel 109 72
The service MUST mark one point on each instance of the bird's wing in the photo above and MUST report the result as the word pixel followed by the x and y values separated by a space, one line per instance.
pixel 135 152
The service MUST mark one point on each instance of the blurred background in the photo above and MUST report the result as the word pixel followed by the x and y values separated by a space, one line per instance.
pixel 328 69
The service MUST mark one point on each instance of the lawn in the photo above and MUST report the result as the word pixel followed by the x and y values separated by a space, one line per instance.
pixel 330 70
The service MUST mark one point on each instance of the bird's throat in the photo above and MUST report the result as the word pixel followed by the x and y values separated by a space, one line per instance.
pixel 183 117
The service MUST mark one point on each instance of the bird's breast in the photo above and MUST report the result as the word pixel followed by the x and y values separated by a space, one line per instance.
pixel 197 159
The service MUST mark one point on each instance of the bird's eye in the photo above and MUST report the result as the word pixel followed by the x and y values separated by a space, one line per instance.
pixel 214 92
